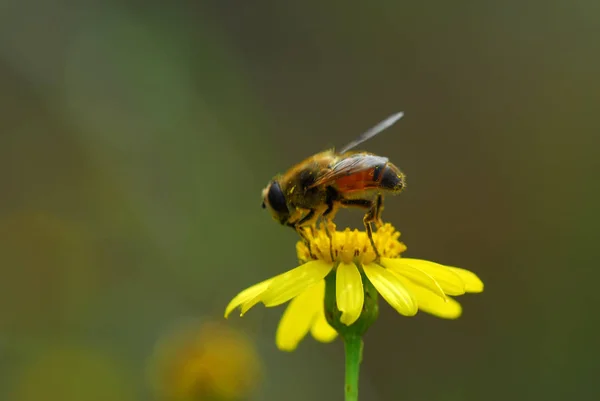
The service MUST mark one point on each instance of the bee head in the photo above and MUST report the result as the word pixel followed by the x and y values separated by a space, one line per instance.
pixel 274 200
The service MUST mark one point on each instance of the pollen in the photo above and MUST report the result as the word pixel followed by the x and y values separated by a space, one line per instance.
pixel 349 245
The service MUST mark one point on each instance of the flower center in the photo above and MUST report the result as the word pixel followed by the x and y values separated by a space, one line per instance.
pixel 349 245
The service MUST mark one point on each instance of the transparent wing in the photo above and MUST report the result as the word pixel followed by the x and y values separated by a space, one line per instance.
pixel 388 122
pixel 349 166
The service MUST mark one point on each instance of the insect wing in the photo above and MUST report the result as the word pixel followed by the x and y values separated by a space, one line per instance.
pixel 351 165
pixel 382 126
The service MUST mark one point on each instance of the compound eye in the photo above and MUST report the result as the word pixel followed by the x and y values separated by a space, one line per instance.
pixel 276 198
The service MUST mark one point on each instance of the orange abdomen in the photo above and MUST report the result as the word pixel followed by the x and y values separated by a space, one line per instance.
pixel 358 181
pixel 385 177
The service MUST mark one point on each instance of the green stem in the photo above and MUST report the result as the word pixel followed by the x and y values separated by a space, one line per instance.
pixel 353 346
pixel 352 335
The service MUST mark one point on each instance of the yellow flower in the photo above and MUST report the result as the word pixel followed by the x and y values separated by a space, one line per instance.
pixel 406 284
pixel 204 361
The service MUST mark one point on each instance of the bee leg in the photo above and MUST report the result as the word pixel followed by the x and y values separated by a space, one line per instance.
pixel 369 218
pixel 301 230
pixel 308 219
pixel 378 211
pixel 308 222
pixel 328 221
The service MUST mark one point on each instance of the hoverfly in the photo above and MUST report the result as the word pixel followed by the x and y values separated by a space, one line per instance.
pixel 318 186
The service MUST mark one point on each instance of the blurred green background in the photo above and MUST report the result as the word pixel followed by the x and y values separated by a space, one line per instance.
pixel 135 140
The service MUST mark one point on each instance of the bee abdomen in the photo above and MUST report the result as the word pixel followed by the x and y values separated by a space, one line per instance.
pixel 392 179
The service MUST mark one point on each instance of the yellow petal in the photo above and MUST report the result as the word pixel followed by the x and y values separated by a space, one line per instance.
pixel 292 283
pixel 246 306
pixel 321 330
pixel 349 292
pixel 472 282
pixel 391 289
pixel 248 298
pixel 431 303
pixel 415 274
pixel 299 316
pixel 450 282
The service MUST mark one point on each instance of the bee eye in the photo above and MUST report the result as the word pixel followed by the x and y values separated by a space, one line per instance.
pixel 276 198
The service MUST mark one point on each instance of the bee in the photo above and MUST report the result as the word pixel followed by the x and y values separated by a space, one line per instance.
pixel 320 185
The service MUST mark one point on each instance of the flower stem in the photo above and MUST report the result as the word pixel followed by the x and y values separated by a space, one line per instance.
pixel 352 335
pixel 353 345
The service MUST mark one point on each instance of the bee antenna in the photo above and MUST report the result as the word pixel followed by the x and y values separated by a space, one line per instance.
pixel 388 122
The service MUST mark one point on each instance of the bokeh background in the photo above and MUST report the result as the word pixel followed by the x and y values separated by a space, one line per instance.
pixel 135 139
